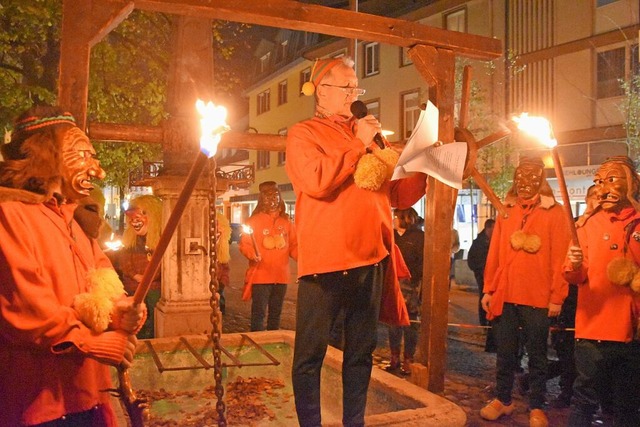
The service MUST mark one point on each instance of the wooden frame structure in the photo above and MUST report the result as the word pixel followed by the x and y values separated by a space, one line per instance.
pixel 433 51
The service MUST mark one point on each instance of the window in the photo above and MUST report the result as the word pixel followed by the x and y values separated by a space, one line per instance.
pixel 410 112
pixel 264 62
pixel 282 92
pixel 283 49
pixel 264 159
pixel 371 59
pixel 456 21
pixel 264 101
pixel 373 107
pixel 614 65
pixel 282 155
pixel 304 77
pixel 404 57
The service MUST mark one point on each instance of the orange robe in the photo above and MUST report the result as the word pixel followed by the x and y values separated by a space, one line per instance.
pixel 44 260
pixel 274 264
pixel 519 277
pixel 605 311
pixel 341 226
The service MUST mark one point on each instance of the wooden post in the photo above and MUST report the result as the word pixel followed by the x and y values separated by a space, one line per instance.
pixel 437 66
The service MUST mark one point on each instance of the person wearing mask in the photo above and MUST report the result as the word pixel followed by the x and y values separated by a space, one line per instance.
pixel 477 259
pixel 64 316
pixel 523 285
pixel 344 200
pixel 268 274
pixel 410 240
pixel 139 240
pixel 605 267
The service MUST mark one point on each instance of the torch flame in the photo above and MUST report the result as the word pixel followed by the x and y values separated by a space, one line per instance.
pixel 113 245
pixel 213 125
pixel 247 229
pixel 537 127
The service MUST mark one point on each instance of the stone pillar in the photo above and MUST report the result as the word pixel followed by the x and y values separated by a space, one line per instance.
pixel 184 305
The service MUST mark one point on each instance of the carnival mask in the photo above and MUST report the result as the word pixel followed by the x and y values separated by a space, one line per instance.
pixel 611 187
pixel 79 165
pixel 528 179
pixel 138 219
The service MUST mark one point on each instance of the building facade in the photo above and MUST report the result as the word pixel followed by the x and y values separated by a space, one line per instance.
pixel 563 60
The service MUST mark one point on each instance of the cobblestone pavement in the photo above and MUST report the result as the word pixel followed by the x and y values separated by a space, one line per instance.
pixel 470 376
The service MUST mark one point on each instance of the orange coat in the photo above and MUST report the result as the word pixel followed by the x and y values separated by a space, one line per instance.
pixel 605 311
pixel 44 260
pixel 276 241
pixel 341 226
pixel 519 277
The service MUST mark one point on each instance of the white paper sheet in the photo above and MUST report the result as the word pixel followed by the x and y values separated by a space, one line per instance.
pixel 445 162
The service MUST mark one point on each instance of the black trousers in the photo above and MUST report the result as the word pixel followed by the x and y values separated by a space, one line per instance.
pixel 535 330
pixel 354 294
pixel 607 372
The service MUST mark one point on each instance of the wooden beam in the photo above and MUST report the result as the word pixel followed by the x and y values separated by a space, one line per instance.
pixel 437 65
pixel 593 42
pixel 592 134
pixel 155 135
pixel 84 23
pixel 296 15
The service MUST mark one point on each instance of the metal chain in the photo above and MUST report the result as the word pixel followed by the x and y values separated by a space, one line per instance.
pixel 214 302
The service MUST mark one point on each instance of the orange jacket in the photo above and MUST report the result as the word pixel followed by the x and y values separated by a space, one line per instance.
pixel 605 311
pixel 44 260
pixel 519 277
pixel 341 226
pixel 280 244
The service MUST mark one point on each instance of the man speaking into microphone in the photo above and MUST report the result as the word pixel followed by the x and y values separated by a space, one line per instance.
pixel 345 240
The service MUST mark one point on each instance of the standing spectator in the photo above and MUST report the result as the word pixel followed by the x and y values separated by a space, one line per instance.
pixel 223 250
pixel 605 267
pixel 523 285
pixel 343 217
pixel 477 259
pixel 139 240
pixel 268 274
pixel 410 240
pixel 64 317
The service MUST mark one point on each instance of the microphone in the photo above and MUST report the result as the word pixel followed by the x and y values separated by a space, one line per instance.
pixel 359 110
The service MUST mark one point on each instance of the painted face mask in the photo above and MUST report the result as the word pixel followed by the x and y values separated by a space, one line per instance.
pixel 79 165
pixel 611 187
pixel 138 220
pixel 527 181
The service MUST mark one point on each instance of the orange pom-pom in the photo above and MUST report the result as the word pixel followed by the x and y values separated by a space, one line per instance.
pixel 621 271
pixel 635 284
pixel 370 173
pixel 308 89
pixel 389 157
pixel 517 239
pixel 532 243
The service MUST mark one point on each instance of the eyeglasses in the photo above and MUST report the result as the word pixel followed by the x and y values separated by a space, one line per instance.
pixel 348 89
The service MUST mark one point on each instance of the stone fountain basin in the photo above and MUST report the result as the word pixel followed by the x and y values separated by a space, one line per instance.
pixel 391 401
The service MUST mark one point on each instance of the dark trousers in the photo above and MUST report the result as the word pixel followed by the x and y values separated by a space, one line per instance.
pixel 321 298
pixel 607 372
pixel 410 334
pixel 535 330
pixel 267 297
pixel 490 343
pixel 98 416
